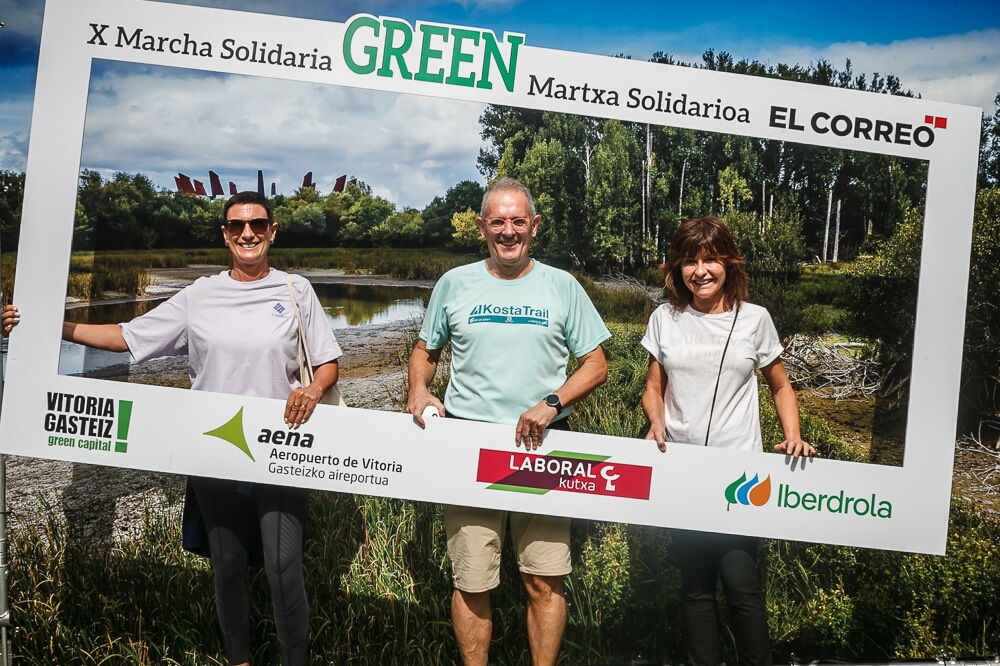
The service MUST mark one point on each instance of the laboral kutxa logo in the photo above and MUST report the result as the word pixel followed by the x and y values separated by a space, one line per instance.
pixel 564 471
pixel 757 492
pixel 91 423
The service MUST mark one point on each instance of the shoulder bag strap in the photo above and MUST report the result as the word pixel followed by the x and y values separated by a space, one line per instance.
pixel 718 377
pixel 305 363
pixel 332 395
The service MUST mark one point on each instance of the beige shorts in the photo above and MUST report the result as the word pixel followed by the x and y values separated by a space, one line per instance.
pixel 475 537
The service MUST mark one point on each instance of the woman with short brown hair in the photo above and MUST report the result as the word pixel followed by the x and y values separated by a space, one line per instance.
pixel 706 346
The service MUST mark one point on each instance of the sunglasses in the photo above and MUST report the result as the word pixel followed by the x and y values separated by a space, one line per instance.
pixel 498 223
pixel 258 225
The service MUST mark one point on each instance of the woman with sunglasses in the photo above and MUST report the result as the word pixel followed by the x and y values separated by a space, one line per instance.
pixel 705 348
pixel 240 333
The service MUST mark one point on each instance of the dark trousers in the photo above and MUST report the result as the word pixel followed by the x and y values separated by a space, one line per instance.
pixel 229 513
pixel 703 558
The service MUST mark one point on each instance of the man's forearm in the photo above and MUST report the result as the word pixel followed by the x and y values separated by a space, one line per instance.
pixel 593 372
pixel 422 367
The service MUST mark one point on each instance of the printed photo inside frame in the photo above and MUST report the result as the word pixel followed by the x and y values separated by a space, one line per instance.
pixel 932 148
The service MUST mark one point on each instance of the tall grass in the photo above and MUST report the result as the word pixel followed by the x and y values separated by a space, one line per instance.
pixel 410 264
pixel 400 263
pixel 95 275
pixel 91 275
pixel 618 304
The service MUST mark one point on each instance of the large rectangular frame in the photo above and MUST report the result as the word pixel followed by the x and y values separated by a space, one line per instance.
pixel 145 427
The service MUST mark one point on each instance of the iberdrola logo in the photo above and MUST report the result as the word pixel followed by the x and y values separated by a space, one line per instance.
pixel 745 492
pixel 232 432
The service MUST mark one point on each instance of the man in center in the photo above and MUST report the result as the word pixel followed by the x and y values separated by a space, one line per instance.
pixel 513 323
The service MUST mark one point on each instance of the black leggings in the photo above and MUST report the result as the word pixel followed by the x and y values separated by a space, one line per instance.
pixel 703 558
pixel 228 513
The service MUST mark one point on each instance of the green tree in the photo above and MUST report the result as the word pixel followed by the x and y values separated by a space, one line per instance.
pixel 543 171
pixel 463 196
pixel 882 296
pixel 308 218
pixel 467 235
pixel 989 148
pixel 613 194
pixel 120 210
pixel 773 260
pixel 733 190
pixel 980 395
pixel 402 229
pixel 563 232
pixel 364 214
pixel 11 199
pixel 503 128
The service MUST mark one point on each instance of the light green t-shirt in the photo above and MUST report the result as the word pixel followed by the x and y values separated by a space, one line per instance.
pixel 510 339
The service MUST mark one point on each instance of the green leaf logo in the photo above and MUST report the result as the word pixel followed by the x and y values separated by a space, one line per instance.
pixel 232 432
pixel 733 487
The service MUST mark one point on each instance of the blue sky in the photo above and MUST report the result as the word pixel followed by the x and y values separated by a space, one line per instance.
pixel 948 51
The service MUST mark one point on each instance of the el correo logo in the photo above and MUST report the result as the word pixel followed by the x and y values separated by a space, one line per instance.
pixel 445 54
pixel 858 127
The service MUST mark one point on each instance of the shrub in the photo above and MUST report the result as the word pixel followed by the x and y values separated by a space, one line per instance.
pixel 980 396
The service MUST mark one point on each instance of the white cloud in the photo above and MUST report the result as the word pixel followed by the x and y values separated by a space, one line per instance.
pixel 963 69
pixel 158 122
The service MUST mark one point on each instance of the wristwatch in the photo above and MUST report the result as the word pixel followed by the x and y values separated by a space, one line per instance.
pixel 552 400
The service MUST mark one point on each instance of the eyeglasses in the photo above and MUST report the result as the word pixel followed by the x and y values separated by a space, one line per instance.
pixel 258 225
pixel 499 223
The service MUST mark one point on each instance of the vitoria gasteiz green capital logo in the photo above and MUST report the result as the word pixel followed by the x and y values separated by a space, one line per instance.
pixel 757 492
pixel 232 431
pixel 92 423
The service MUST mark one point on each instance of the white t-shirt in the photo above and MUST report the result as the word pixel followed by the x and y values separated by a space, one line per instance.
pixel 688 344
pixel 240 337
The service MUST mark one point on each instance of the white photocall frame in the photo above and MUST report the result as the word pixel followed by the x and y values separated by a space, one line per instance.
pixel 166 430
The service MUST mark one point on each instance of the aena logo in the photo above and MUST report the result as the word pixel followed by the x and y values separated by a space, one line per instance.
pixel 745 492
pixel 232 431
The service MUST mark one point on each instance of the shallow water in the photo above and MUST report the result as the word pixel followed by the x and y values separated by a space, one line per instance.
pixel 345 305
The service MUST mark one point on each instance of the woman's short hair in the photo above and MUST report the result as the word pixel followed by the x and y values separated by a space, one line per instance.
pixel 248 197
pixel 704 236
